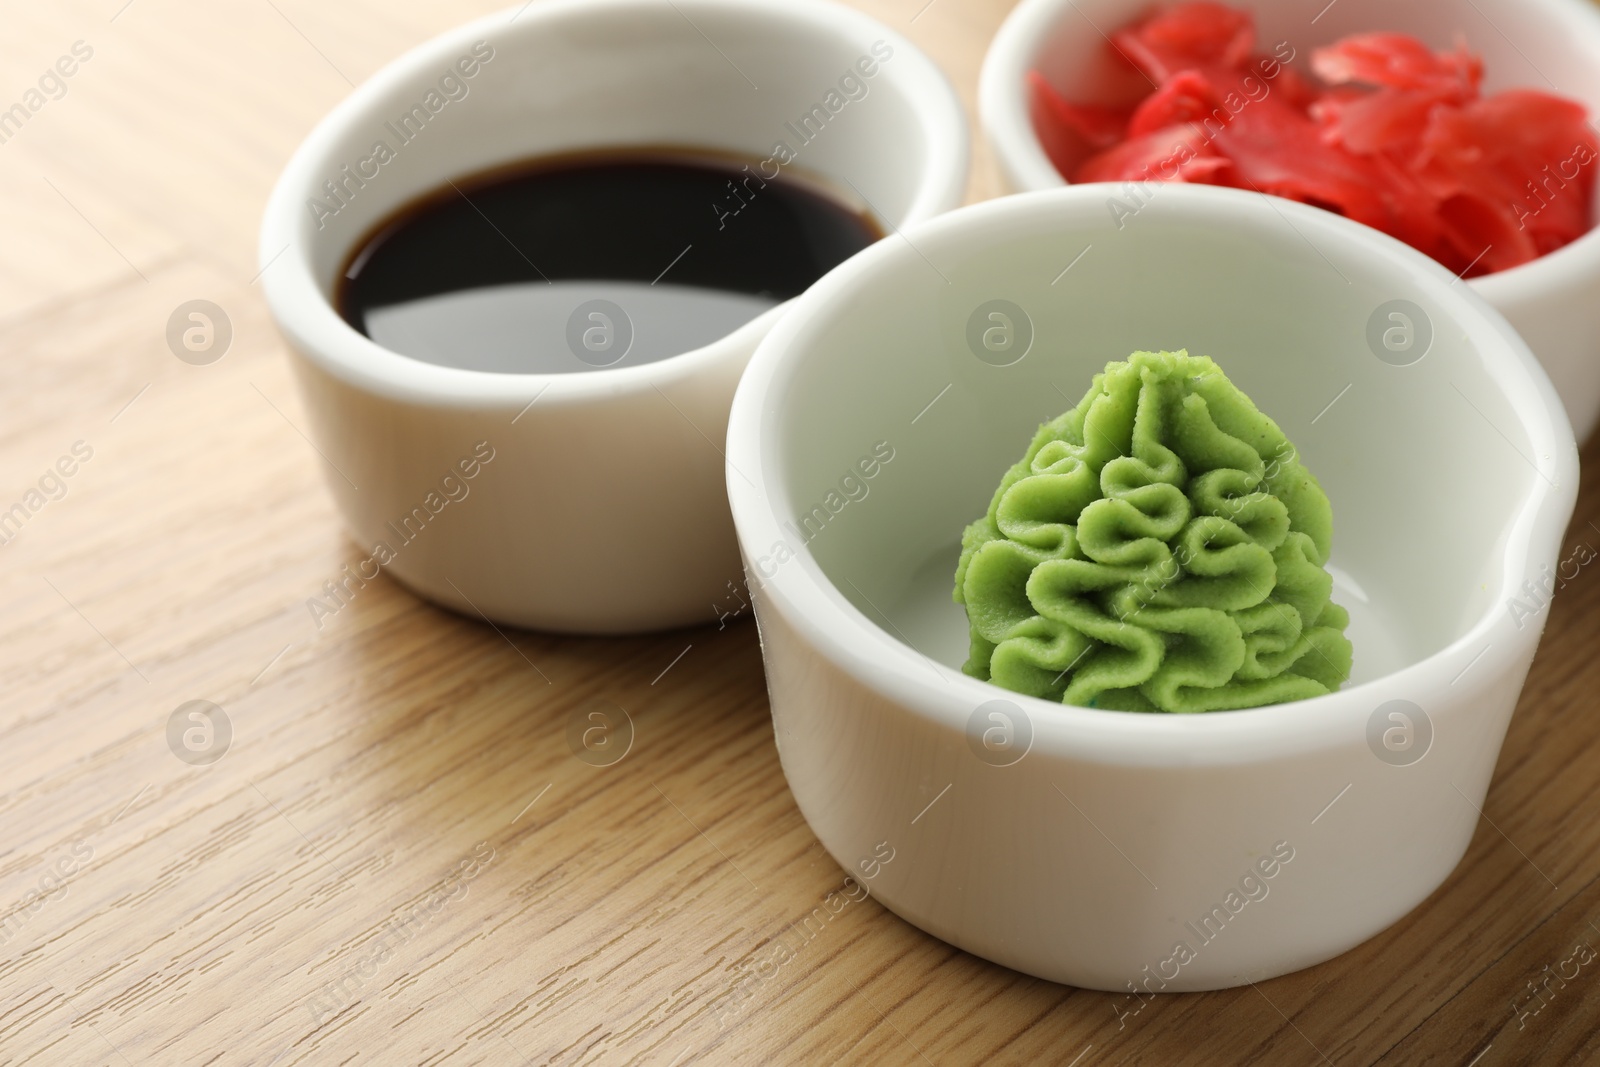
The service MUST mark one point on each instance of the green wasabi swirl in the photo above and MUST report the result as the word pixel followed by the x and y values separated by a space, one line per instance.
pixel 1159 548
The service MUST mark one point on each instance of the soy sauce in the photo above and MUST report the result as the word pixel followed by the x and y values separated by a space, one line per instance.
pixel 600 259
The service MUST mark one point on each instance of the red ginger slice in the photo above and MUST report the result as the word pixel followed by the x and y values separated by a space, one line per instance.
pixel 1175 154
pixel 1387 121
pixel 1187 96
pixel 1398 61
pixel 1195 34
pixel 1277 150
pixel 1514 175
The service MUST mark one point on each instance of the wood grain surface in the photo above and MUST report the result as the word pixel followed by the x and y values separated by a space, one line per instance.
pixel 398 860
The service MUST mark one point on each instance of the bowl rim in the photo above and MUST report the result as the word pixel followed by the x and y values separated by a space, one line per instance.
pixel 854 644
pixel 1003 115
pixel 317 332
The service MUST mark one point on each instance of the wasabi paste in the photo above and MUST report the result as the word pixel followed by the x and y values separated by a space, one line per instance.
pixel 1159 548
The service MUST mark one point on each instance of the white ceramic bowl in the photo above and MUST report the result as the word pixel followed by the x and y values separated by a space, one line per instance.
pixel 1552 45
pixel 602 509
pixel 1452 480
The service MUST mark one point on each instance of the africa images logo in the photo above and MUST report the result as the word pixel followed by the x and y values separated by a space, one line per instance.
pixel 452 86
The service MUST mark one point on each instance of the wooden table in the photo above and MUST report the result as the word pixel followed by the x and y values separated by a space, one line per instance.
pixel 398 860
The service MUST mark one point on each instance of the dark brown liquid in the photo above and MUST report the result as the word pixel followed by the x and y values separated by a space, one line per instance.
pixel 601 259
